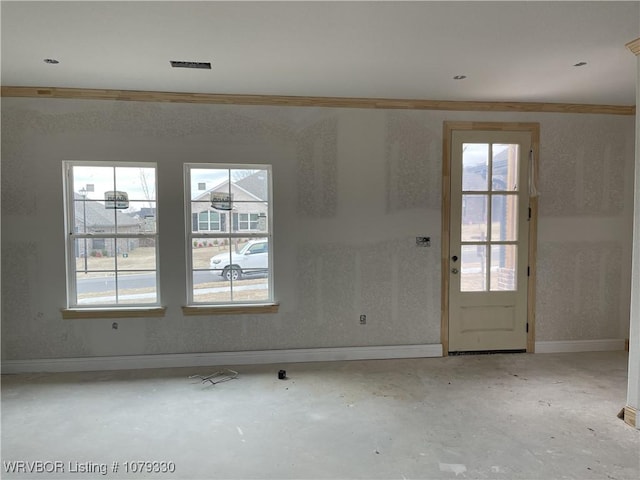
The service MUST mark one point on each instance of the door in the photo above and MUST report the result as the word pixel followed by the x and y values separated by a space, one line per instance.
pixel 488 243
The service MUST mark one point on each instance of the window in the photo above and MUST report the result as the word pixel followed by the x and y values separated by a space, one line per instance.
pixel 229 236
pixel 111 249
pixel 208 221
pixel 246 221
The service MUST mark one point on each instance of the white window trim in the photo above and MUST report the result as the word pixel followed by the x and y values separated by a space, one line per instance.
pixel 248 221
pixel 195 308
pixel 95 310
pixel 208 221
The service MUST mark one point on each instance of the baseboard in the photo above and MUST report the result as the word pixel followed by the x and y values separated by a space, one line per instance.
pixel 630 416
pixel 132 362
pixel 571 346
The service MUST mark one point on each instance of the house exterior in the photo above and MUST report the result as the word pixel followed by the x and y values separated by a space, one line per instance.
pixel 91 216
pixel 249 207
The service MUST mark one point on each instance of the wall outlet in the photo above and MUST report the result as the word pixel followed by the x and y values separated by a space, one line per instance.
pixel 423 241
pixel 363 319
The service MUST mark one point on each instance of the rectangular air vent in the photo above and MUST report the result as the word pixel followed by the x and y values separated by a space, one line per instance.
pixel 204 65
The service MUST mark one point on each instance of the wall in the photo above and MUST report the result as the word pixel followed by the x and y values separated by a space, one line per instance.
pixel 352 190
pixel 633 389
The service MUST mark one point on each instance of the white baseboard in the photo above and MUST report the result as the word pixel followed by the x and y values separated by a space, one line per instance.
pixel 572 346
pixel 132 362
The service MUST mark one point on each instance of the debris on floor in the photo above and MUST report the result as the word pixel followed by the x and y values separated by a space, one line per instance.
pixel 282 374
pixel 217 377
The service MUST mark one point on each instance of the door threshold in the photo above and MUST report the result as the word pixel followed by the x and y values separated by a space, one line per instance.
pixel 486 352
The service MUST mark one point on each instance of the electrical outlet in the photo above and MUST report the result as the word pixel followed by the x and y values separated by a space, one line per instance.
pixel 423 241
pixel 363 319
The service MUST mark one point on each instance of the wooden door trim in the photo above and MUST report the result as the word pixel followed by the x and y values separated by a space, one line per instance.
pixel 448 129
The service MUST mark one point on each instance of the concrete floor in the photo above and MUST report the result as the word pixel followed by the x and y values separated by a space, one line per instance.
pixel 491 416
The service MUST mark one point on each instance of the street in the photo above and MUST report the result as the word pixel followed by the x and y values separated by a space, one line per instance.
pixel 126 282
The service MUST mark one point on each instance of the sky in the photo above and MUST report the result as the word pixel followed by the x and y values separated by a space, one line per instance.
pixel 476 153
pixel 99 179
pixel 104 178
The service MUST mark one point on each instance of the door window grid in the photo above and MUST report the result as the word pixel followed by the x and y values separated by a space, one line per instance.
pixel 489 263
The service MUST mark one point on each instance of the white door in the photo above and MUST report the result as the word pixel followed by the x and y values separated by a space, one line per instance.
pixel 488 244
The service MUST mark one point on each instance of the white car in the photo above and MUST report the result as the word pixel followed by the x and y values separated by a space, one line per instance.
pixel 251 259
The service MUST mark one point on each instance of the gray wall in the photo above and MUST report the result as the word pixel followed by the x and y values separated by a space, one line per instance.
pixel 352 190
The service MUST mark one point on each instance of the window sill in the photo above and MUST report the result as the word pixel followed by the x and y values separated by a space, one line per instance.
pixel 230 309
pixel 73 313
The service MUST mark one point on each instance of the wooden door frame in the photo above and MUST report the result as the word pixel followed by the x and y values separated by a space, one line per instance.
pixel 448 128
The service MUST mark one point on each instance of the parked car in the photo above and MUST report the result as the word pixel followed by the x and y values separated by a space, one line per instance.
pixel 253 258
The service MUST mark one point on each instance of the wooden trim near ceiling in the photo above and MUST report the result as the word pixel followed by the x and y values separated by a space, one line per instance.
pixel 634 46
pixel 294 101
pixel 448 129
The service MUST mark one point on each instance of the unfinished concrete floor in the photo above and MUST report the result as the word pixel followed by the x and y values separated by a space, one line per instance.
pixel 541 416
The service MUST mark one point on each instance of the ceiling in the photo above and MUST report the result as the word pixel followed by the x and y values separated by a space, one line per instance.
pixel 509 51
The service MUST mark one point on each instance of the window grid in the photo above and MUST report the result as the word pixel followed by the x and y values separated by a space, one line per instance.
pixel 244 221
pixel 491 191
pixel 108 245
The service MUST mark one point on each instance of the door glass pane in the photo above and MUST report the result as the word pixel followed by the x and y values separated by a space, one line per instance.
pixel 474 218
pixel 475 165
pixel 505 168
pixel 503 268
pixel 473 274
pixel 504 218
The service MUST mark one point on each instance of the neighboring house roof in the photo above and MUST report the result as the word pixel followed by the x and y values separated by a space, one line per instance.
pixel 147 212
pixel 254 185
pixel 96 215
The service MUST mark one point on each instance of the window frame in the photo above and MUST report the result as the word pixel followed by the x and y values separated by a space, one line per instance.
pixel 209 222
pixel 75 309
pixel 193 307
pixel 248 221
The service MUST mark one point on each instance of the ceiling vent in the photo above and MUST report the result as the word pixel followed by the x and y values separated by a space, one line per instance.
pixel 202 65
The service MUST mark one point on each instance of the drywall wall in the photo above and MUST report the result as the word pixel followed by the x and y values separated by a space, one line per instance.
pixel 352 190
pixel 633 389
